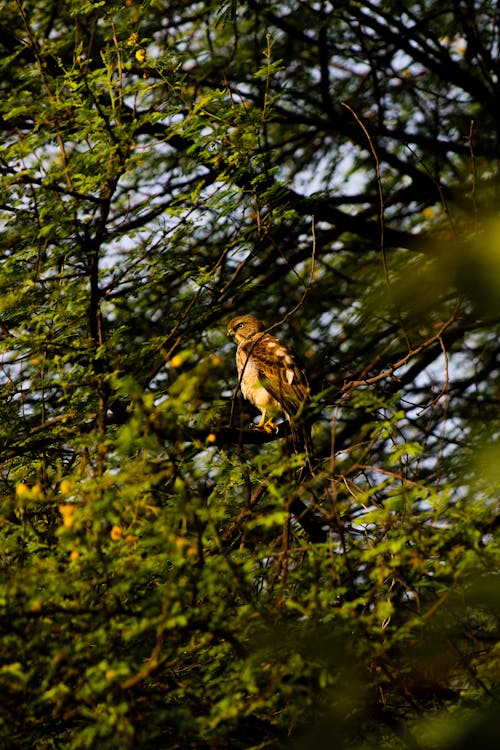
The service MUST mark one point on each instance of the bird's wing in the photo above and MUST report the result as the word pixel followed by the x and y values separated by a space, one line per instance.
pixel 278 371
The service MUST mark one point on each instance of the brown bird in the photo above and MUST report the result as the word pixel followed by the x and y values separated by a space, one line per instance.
pixel 270 378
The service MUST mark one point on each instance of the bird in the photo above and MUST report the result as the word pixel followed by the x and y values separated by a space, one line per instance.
pixel 271 378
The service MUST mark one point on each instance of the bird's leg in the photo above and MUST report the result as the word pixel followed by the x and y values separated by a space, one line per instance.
pixel 270 426
pixel 262 420
pixel 266 425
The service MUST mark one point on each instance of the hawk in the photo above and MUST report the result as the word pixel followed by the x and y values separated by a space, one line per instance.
pixel 270 377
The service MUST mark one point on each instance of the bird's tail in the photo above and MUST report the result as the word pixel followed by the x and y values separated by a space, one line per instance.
pixel 301 442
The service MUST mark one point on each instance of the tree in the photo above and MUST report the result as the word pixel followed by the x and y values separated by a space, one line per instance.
pixel 329 167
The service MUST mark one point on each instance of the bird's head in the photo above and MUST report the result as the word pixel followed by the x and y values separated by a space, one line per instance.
pixel 244 327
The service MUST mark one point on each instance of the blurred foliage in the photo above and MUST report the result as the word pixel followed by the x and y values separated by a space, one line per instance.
pixel 163 578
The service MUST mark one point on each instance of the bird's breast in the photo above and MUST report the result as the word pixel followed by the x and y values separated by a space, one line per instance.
pixel 251 383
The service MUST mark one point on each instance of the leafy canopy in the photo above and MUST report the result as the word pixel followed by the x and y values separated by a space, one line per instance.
pixel 169 577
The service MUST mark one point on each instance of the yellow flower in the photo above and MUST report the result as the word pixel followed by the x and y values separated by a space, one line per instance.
pixel 140 55
pixel 22 490
pixel 65 486
pixel 176 360
pixel 37 491
pixel 116 533
pixel 211 438
pixel 67 510
pixel 74 555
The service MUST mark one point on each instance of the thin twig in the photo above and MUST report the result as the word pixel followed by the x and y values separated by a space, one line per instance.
pixel 412 353
pixel 379 188
pixel 438 187
pixel 469 138
pixel 381 214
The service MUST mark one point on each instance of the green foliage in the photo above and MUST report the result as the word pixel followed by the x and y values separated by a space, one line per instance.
pixel 168 577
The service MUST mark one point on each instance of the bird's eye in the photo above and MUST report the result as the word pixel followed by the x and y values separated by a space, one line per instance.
pixel 240 325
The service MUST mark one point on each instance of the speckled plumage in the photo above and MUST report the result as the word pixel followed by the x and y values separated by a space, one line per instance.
pixel 269 375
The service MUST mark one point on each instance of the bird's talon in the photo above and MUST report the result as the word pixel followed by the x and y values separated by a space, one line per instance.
pixel 267 427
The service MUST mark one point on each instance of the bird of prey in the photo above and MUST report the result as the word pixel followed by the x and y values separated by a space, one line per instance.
pixel 271 378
